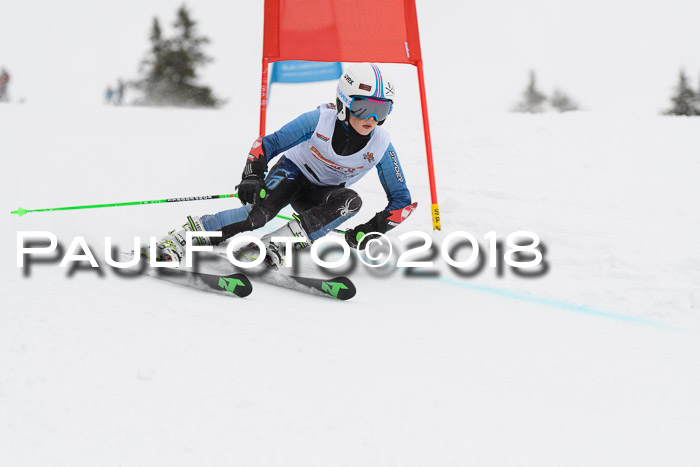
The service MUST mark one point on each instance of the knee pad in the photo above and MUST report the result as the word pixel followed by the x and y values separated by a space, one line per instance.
pixel 258 217
pixel 346 201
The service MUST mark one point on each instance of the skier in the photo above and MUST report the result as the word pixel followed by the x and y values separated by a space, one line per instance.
pixel 109 95
pixel 4 80
pixel 325 151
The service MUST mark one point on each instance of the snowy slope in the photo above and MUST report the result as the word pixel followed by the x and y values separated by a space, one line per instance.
pixel 595 363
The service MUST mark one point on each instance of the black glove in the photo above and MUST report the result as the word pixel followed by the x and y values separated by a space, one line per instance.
pixel 353 237
pixel 252 189
pixel 360 233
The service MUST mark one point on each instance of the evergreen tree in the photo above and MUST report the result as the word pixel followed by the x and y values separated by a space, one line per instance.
pixel 533 99
pixel 562 102
pixel 684 101
pixel 697 100
pixel 170 68
pixel 154 86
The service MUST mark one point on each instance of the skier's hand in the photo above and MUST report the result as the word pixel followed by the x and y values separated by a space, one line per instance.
pixel 252 189
pixel 360 236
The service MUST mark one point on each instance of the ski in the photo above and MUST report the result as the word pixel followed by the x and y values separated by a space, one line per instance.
pixel 235 283
pixel 340 288
pixel 240 284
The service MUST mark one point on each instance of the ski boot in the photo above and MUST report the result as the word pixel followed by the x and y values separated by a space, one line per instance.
pixel 275 254
pixel 172 246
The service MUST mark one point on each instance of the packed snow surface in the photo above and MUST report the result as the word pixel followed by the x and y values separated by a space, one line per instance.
pixel 594 362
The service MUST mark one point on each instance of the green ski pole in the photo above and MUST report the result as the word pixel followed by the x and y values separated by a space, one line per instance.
pixel 21 212
pixel 291 219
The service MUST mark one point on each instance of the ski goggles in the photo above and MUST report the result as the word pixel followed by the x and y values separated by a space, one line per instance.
pixel 365 107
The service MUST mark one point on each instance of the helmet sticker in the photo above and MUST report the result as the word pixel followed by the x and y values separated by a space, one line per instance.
pixel 389 90
pixel 345 99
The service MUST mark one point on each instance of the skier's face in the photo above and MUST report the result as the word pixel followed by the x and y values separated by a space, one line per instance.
pixel 363 127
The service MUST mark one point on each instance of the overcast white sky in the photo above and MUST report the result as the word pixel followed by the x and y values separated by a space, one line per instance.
pixel 609 55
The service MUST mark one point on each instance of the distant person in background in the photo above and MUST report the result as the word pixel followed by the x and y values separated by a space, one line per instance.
pixel 119 96
pixel 109 94
pixel 4 79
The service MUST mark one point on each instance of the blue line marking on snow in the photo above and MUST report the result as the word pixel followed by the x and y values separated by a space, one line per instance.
pixel 550 302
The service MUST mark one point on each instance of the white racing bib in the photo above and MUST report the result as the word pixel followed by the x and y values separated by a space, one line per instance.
pixel 322 166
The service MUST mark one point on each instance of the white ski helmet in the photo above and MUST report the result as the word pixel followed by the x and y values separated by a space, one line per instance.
pixel 365 80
